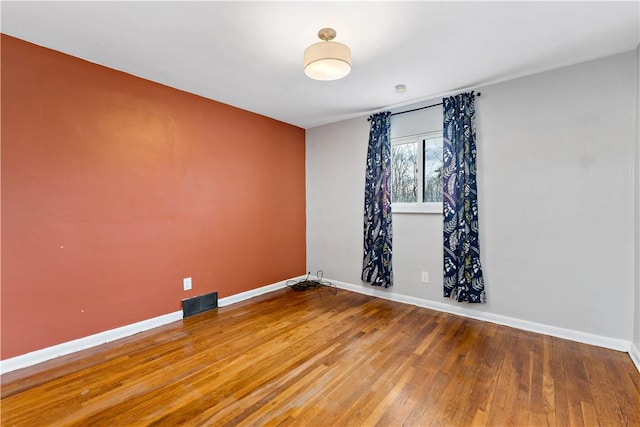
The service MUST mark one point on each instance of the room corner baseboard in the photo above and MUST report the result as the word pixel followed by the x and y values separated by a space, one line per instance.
pixel 634 352
pixel 48 353
pixel 554 331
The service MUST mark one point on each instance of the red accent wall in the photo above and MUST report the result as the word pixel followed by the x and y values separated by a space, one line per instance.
pixel 114 188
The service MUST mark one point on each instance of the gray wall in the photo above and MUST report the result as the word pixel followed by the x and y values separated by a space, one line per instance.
pixel 556 188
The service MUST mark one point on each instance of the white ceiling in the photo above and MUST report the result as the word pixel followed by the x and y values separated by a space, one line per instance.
pixel 249 54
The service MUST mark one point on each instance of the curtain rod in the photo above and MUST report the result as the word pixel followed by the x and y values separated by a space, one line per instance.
pixel 416 109
pixel 422 108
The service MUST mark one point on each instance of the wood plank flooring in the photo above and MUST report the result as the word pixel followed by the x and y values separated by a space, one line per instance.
pixel 317 359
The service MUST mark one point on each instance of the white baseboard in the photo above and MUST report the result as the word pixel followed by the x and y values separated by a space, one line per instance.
pixel 69 347
pixel 100 338
pixel 232 299
pixel 569 334
pixel 634 352
pixel 39 356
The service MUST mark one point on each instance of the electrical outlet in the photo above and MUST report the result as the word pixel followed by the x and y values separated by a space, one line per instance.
pixel 425 277
pixel 186 283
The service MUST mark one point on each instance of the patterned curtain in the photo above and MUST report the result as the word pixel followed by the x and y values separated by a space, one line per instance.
pixel 462 272
pixel 376 266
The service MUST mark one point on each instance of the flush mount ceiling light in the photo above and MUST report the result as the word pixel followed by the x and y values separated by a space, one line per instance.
pixel 327 60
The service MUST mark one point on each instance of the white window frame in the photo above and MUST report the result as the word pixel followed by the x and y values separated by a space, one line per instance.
pixel 420 207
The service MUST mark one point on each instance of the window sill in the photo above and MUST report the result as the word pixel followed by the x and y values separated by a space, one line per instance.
pixel 417 208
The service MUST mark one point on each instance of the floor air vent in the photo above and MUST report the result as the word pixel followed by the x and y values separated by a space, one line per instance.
pixel 199 304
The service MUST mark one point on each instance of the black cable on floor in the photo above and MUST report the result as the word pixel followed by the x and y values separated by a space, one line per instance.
pixel 306 284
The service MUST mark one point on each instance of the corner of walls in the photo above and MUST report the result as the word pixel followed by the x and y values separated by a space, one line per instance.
pixel 634 352
pixel 636 339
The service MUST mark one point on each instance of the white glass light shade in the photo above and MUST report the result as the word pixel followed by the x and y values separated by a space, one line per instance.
pixel 327 60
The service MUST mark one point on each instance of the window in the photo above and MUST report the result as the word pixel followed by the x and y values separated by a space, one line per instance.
pixel 416 173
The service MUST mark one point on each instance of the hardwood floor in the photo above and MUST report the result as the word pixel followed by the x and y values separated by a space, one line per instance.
pixel 317 359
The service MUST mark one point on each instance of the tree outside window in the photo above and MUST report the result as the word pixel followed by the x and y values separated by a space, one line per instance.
pixel 416 170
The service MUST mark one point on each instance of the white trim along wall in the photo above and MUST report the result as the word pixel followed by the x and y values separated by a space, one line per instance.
pixel 94 340
pixel 52 352
pixel 464 311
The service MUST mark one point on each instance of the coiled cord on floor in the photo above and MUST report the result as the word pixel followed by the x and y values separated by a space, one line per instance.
pixel 306 283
